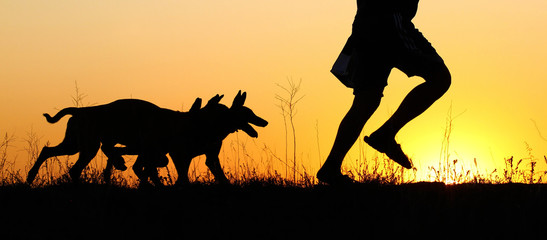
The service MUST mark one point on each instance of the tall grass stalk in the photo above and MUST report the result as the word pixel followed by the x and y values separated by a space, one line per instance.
pixel 8 175
pixel 318 145
pixel 288 103
pixel 4 145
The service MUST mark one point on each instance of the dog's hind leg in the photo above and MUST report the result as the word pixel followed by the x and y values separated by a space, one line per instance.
pixel 114 158
pixel 86 155
pixel 145 167
pixel 152 172
pixel 111 161
pixel 47 152
pixel 161 161
pixel 142 170
pixel 138 169
pixel 68 146
pixel 114 155
pixel 107 172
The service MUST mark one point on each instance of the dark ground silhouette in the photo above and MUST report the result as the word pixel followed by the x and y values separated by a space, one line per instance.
pixel 258 211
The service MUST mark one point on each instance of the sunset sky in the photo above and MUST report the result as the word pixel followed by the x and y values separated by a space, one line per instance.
pixel 170 52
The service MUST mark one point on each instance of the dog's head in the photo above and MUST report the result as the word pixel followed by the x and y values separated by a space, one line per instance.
pixel 244 116
pixel 237 117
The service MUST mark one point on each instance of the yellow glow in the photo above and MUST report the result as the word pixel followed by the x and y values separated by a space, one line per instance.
pixel 172 52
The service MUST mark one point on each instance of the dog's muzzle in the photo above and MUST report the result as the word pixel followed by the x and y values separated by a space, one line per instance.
pixel 257 121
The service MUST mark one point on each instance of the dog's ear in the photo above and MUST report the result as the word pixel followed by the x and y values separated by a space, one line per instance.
pixel 196 106
pixel 215 100
pixel 239 100
pixel 219 97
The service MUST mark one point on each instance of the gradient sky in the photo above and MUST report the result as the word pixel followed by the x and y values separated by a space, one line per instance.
pixel 170 52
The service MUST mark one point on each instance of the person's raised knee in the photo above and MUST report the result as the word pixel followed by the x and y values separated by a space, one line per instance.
pixel 445 79
pixel 440 79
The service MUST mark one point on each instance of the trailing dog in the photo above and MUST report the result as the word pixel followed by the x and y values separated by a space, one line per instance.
pixel 150 132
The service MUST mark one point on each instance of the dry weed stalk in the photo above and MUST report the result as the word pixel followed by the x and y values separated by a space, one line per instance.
pixel 287 104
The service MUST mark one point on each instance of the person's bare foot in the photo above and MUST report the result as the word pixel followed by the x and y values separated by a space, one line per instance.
pixel 390 147
pixel 334 178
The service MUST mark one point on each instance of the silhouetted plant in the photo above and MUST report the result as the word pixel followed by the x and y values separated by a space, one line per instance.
pixel 8 175
pixel 287 104
pixel 4 145
pixel 78 98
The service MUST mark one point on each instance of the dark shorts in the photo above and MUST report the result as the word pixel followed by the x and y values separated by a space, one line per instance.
pixel 375 55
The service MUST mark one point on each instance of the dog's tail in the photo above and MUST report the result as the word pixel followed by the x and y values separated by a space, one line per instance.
pixel 60 114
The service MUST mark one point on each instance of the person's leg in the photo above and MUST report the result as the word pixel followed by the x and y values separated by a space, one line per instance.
pixel 369 68
pixel 436 83
pixel 417 101
pixel 364 105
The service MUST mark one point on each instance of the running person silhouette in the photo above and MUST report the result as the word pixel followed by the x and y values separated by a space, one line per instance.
pixel 384 37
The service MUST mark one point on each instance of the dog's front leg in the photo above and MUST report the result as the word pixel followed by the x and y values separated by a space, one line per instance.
pixel 213 163
pixel 182 164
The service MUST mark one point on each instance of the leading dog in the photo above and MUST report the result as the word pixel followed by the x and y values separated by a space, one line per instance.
pixel 151 132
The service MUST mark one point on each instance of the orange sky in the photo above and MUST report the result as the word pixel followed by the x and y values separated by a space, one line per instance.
pixel 171 52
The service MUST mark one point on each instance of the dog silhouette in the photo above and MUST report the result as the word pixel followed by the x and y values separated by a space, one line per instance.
pixel 151 133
